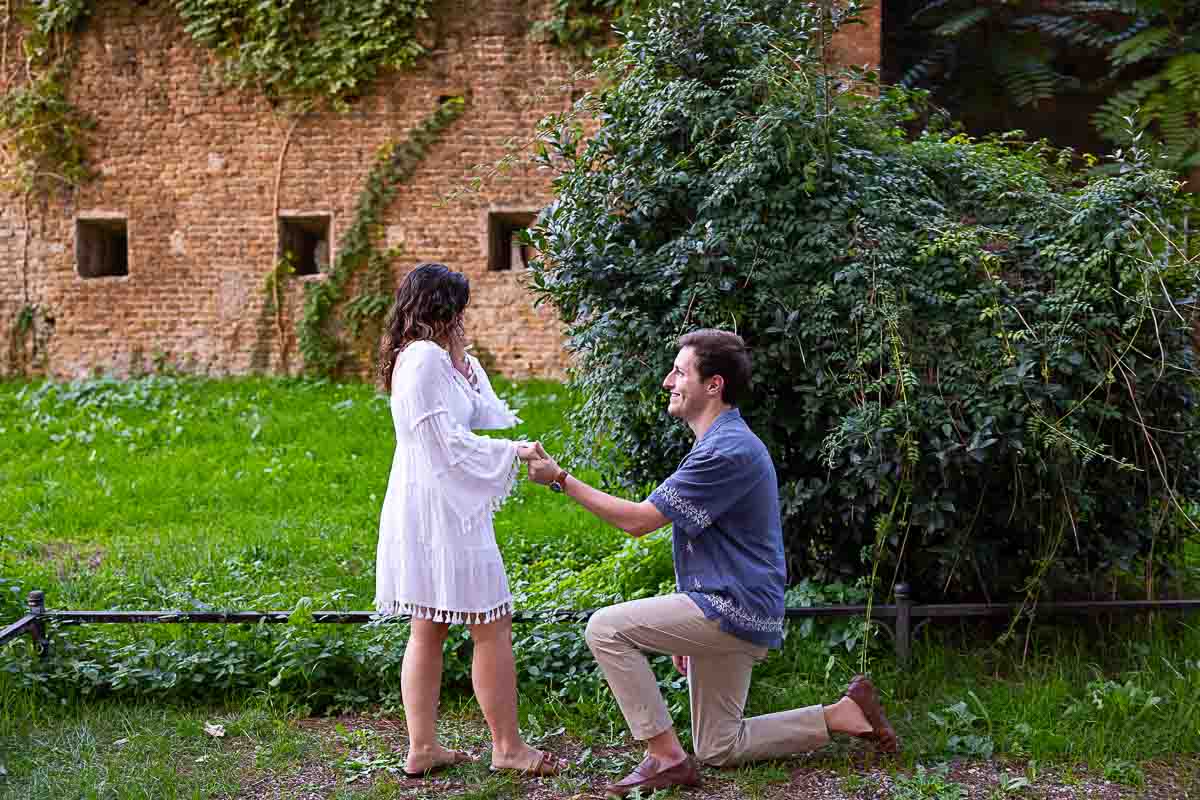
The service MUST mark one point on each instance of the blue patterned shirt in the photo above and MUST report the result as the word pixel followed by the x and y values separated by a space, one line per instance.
pixel 723 503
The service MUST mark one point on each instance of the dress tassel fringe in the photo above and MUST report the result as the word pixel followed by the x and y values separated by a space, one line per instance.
pixel 401 609
pixel 510 483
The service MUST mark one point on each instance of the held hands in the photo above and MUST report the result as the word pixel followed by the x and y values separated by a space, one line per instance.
pixel 681 664
pixel 542 468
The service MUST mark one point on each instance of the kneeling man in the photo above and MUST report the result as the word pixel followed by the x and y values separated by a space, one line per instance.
pixel 727 612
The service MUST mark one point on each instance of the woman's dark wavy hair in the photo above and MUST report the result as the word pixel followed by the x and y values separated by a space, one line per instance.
pixel 429 305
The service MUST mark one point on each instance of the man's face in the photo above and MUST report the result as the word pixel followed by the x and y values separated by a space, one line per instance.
pixel 688 396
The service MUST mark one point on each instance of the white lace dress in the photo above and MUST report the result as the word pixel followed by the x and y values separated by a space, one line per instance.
pixel 437 556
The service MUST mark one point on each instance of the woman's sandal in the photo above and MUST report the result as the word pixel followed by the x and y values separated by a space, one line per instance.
pixel 459 758
pixel 546 765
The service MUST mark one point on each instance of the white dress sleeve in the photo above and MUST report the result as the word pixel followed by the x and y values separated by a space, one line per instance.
pixel 472 473
pixel 490 411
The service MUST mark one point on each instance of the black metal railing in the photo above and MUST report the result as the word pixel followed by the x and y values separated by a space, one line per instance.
pixel 900 615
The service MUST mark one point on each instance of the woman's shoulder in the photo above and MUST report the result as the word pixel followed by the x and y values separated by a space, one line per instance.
pixel 421 351
pixel 419 361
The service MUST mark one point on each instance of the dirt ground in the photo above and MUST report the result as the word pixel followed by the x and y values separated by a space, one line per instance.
pixel 361 757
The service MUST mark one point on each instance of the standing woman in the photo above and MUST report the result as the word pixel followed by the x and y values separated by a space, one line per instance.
pixel 437 558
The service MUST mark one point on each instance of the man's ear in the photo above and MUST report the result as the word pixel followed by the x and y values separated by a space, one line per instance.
pixel 716 386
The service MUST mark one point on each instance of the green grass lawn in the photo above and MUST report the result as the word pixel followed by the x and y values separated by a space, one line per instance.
pixel 172 493
pixel 168 493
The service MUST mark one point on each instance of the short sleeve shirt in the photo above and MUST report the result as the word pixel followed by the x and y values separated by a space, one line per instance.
pixel 723 503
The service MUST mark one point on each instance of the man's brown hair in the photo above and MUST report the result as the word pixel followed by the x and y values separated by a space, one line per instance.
pixel 721 353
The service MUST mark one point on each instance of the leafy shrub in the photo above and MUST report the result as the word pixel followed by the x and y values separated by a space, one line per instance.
pixel 1124 771
pixel 928 784
pixel 640 568
pixel 1118 701
pixel 832 633
pixel 967 733
pixel 973 365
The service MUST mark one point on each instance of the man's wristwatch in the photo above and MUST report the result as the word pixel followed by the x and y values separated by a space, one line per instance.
pixel 559 482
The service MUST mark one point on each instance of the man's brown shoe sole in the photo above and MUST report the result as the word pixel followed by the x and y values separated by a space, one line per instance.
pixel 864 695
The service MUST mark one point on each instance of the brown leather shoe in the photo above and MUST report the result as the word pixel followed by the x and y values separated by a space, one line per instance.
pixel 863 693
pixel 650 775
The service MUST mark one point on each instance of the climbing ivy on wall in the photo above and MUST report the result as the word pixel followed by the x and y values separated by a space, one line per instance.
pixel 584 26
pixel 307 48
pixel 300 52
pixel 323 352
pixel 304 55
pixel 44 136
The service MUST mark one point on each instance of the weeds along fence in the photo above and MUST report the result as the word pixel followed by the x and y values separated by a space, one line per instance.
pixel 900 616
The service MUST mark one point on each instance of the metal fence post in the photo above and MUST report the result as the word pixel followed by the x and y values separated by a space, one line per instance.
pixel 904 606
pixel 37 630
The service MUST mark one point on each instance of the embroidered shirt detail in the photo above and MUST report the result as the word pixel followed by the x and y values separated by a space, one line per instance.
pixel 742 618
pixel 696 515
pixel 690 549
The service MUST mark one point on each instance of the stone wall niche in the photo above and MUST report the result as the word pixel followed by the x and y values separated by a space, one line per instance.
pixel 102 247
pixel 306 238
pixel 505 250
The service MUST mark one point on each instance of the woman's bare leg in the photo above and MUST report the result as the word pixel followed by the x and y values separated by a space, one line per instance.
pixel 420 687
pixel 494 676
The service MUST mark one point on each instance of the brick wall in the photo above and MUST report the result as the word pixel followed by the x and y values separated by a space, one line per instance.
pixel 860 45
pixel 192 166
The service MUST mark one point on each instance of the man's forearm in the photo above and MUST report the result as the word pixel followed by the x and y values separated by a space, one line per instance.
pixel 636 519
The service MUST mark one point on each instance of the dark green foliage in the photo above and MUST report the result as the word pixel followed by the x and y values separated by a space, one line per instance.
pixel 971 368
pixel 1138 58
pixel 1160 47
pixel 974 49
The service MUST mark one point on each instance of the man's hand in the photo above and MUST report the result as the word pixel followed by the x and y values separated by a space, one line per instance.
pixel 681 664
pixel 636 519
pixel 542 469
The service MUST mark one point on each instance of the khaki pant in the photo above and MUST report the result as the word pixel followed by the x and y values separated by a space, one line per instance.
pixel 718 680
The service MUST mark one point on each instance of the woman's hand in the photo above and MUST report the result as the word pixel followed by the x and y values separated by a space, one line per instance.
pixel 458 354
pixel 527 451
pixel 457 347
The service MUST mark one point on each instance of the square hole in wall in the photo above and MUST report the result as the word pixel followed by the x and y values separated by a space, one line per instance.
pixel 306 238
pixel 505 250
pixel 102 247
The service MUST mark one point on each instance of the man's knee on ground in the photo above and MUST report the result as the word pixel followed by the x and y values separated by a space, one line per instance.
pixel 716 753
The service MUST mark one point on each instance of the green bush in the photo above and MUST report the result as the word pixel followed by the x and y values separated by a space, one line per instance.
pixel 973 366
